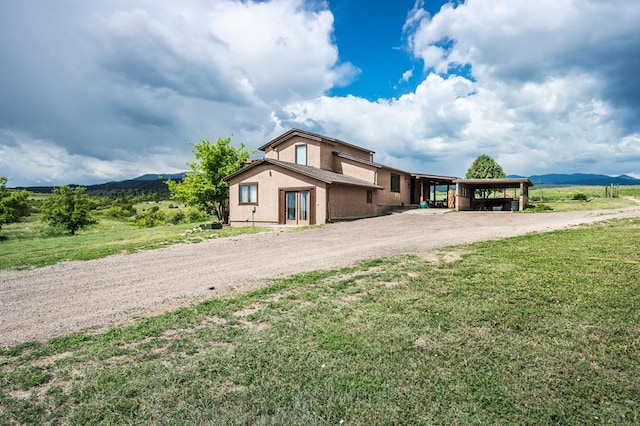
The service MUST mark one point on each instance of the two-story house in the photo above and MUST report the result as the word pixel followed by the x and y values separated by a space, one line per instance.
pixel 306 178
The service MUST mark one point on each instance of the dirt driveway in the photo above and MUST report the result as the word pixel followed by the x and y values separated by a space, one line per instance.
pixel 56 300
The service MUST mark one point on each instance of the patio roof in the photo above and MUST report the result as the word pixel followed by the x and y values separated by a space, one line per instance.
pixel 494 183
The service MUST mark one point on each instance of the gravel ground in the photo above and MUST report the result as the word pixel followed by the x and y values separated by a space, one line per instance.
pixel 57 300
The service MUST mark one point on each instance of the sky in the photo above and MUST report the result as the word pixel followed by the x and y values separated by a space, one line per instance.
pixel 100 91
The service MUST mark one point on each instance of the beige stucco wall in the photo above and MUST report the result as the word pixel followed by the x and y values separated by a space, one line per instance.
pixel 270 180
pixel 352 168
pixel 286 151
pixel 393 199
pixel 319 154
pixel 350 202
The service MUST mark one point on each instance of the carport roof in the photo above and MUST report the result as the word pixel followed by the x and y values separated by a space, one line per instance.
pixel 437 179
pixel 494 183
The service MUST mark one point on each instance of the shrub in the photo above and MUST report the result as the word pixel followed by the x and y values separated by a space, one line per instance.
pixel 176 217
pixel 195 215
pixel 579 196
pixel 121 211
pixel 151 217
pixel 537 208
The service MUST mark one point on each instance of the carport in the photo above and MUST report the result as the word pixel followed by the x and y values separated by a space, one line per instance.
pixel 424 190
pixel 492 194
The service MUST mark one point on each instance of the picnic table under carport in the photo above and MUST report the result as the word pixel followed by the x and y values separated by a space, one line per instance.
pixel 514 194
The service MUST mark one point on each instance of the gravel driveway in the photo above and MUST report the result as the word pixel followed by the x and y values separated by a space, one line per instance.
pixel 56 300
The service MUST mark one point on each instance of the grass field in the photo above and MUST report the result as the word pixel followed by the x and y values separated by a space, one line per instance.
pixel 539 329
pixel 560 199
pixel 31 243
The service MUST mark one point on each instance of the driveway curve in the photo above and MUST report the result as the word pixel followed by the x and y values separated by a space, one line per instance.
pixel 56 300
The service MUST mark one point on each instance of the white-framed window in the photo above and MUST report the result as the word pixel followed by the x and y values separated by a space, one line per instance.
pixel 301 154
pixel 249 193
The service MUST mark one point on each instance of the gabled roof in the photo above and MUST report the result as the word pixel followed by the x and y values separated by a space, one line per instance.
pixel 357 159
pixel 325 176
pixel 308 135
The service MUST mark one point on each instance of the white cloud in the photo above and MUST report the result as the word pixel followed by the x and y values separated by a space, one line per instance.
pixel 26 161
pixel 539 102
pixel 406 76
pixel 549 86
pixel 128 80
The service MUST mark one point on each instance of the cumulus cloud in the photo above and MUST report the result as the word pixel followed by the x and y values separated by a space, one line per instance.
pixel 545 87
pixel 110 90
pixel 124 81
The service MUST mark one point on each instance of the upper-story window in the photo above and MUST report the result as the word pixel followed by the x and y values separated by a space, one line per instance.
pixel 395 183
pixel 301 154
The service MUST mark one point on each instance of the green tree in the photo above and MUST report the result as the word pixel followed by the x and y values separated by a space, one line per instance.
pixel 13 204
pixel 485 167
pixel 68 208
pixel 203 186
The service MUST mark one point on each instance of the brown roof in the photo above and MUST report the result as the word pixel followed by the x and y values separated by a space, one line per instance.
pixel 495 183
pixel 357 159
pixel 322 175
pixel 437 179
pixel 308 135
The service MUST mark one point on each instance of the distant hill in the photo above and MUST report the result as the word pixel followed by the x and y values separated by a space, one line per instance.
pixel 173 176
pixel 145 184
pixel 579 179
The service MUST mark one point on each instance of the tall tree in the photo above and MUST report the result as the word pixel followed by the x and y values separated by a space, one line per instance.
pixel 204 186
pixel 68 208
pixel 13 204
pixel 485 167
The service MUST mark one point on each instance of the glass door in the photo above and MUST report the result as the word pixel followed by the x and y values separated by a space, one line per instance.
pixel 297 207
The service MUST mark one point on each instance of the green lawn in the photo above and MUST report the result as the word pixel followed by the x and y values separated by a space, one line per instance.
pixel 560 199
pixel 31 243
pixel 538 329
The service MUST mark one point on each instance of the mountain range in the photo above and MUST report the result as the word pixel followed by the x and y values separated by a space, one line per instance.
pixel 579 179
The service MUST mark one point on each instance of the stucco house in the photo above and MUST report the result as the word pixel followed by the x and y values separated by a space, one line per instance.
pixel 307 178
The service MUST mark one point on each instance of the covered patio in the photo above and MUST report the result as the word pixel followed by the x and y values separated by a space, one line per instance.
pixel 499 194
pixel 424 190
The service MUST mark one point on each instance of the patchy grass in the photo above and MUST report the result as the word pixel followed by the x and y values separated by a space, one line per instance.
pixel 561 199
pixel 30 243
pixel 539 329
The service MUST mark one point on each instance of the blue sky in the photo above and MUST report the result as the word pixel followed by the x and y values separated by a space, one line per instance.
pixel 99 91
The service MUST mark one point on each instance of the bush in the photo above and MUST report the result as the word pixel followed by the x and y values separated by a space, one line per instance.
pixel 121 211
pixel 195 215
pixel 579 196
pixel 151 217
pixel 176 217
pixel 537 208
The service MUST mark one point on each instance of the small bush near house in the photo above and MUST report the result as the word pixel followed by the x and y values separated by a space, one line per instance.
pixel 151 217
pixel 176 217
pixel 195 215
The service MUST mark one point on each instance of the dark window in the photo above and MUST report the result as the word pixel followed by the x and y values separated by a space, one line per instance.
pixel 249 193
pixel 395 183
pixel 369 197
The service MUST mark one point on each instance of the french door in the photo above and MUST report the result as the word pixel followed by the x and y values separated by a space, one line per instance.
pixel 297 205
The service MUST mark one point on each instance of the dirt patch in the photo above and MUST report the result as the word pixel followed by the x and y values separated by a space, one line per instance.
pixel 58 300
